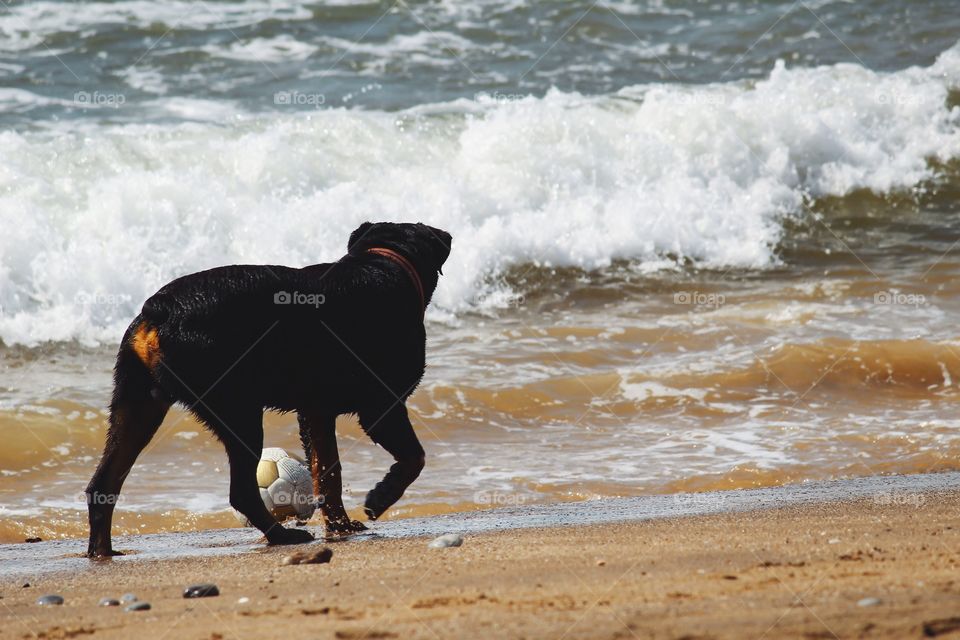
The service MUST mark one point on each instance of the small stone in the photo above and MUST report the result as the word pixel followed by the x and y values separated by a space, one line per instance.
pixel 868 602
pixel 138 606
pixel 933 628
pixel 109 602
pixel 243 600
pixel 446 540
pixel 601 563
pixel 206 590
pixel 50 599
pixel 833 541
pixel 33 539
pixel 128 597
pixel 309 557
pixel 25 585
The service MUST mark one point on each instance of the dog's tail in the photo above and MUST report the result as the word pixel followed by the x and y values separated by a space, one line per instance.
pixel 157 309
pixel 139 357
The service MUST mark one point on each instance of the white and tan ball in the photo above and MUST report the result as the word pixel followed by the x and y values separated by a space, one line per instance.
pixel 286 487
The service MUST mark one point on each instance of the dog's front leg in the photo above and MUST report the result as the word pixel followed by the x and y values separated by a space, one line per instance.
pixel 320 432
pixel 392 431
pixel 242 435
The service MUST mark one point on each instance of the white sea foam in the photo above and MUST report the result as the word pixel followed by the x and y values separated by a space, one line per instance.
pixel 96 219
pixel 22 100
pixel 196 109
pixel 278 49
pixel 428 47
pixel 145 79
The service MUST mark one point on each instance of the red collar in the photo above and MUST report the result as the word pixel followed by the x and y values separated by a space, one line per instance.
pixel 408 267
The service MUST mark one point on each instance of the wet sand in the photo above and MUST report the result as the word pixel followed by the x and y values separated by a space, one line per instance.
pixel 800 570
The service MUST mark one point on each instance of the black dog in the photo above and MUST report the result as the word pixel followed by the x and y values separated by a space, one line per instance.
pixel 325 340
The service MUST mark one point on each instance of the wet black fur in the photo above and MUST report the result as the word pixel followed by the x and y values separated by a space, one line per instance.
pixel 229 351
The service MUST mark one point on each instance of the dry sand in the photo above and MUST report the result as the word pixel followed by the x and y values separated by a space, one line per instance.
pixel 796 572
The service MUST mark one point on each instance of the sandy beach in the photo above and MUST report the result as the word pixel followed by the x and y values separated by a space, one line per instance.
pixel 689 301
pixel 869 568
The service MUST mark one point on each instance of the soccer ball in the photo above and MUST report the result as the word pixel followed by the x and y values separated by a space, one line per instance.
pixel 286 486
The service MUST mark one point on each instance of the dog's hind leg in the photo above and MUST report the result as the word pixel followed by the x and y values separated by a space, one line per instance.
pixel 242 434
pixel 136 412
pixel 319 436
pixel 392 431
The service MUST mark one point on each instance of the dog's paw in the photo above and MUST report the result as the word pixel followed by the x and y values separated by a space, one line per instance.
pixel 374 506
pixel 344 525
pixel 282 535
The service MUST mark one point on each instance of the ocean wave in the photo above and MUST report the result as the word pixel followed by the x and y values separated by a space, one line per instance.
pixel 27 25
pixel 812 371
pixel 97 216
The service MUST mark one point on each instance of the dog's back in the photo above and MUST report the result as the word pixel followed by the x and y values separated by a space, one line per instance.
pixel 282 337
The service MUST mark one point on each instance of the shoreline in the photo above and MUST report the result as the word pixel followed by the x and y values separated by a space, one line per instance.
pixel 857 567
pixel 59 556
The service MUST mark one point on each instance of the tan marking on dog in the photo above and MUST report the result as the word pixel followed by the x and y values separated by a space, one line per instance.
pixel 146 344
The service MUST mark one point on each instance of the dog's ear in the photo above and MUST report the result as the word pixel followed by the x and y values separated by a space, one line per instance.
pixel 357 235
pixel 440 242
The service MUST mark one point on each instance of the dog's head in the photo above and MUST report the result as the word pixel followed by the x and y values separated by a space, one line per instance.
pixel 427 247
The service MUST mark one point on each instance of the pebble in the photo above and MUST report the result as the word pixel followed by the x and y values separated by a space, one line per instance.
pixel 50 599
pixel 33 539
pixel 205 590
pixel 243 600
pixel 138 606
pixel 868 602
pixel 128 597
pixel 309 557
pixel 109 602
pixel 601 563
pixel 446 540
